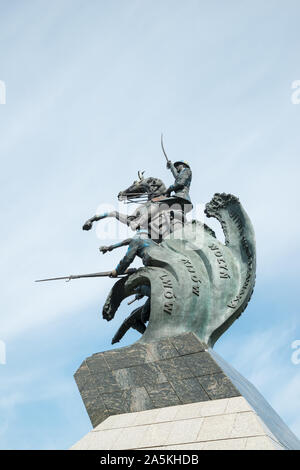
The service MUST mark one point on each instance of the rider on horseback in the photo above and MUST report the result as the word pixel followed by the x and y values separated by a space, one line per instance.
pixel 183 176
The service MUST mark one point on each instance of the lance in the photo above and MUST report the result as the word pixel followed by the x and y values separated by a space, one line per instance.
pixel 79 276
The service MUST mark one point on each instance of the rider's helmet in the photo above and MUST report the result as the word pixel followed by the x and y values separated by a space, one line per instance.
pixel 181 162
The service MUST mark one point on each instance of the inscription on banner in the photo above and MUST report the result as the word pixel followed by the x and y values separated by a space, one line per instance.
pixel 240 226
pixel 195 279
pixel 223 268
pixel 168 294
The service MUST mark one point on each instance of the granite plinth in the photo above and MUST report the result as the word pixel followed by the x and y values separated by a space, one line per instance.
pixel 144 376
pixel 143 395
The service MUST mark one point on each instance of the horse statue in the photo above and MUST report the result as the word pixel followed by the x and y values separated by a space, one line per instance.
pixel 160 214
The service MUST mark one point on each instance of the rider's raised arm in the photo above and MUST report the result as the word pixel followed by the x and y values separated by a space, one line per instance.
pixel 170 165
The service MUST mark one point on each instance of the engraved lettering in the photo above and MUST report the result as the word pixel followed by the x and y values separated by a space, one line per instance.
pixel 168 307
pixel 196 290
pixel 169 294
pixel 167 283
pixel 240 226
pixel 222 264
pixel 213 247
pixel 163 276
pixel 221 261
pixel 224 275
pixel 190 268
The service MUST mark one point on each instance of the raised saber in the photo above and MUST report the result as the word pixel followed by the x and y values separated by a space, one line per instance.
pixel 78 276
pixel 163 149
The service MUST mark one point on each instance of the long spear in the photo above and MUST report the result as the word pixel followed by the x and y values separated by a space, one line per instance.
pixel 79 276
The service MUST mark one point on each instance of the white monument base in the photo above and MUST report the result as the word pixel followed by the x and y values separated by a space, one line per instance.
pixel 225 424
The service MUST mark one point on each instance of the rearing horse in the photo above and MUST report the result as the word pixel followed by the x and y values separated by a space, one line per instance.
pixel 158 214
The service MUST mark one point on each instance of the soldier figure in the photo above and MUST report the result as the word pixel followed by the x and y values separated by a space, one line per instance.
pixel 138 246
pixel 183 176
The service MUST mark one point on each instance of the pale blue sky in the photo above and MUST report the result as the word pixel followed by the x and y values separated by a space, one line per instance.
pixel 90 86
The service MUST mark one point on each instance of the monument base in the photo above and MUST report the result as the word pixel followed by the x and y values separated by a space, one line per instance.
pixel 226 424
pixel 174 393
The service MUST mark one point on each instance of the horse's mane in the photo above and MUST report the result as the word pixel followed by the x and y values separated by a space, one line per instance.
pixel 156 186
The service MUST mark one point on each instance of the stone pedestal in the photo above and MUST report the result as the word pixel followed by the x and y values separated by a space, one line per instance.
pixel 174 393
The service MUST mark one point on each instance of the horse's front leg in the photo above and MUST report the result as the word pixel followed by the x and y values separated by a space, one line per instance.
pixel 117 215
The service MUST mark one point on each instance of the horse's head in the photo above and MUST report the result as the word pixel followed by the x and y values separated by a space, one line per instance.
pixel 151 187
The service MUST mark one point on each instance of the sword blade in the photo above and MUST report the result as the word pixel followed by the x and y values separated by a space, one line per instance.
pixel 163 148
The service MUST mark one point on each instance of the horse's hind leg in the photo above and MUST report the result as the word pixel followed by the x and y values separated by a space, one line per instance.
pixel 133 321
